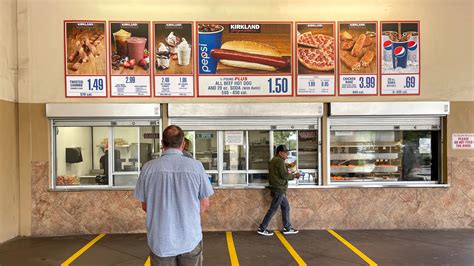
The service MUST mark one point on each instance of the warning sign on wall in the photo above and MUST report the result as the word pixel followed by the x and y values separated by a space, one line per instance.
pixel 463 141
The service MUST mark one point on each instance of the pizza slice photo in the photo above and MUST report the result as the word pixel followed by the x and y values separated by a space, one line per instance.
pixel 316 52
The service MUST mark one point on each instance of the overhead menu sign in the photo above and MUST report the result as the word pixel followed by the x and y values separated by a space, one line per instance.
pixel 85 59
pixel 400 58
pixel 316 52
pixel 174 64
pixel 130 59
pixel 244 59
pixel 357 58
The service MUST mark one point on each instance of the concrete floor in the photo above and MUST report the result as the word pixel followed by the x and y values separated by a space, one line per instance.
pixel 384 247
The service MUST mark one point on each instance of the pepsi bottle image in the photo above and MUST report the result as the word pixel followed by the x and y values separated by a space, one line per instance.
pixel 399 54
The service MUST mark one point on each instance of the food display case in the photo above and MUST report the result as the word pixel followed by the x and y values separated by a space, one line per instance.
pixel 378 142
pixel 245 135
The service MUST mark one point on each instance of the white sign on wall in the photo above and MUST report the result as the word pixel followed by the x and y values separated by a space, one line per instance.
pixel 463 141
pixel 234 138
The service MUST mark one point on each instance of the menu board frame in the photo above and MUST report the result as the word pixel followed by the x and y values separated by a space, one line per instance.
pixel 381 58
pixel 335 71
pixel 197 74
pixel 193 56
pixel 65 59
pixel 377 75
pixel 110 63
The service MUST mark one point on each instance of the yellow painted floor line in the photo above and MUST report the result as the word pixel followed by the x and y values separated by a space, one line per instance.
pixel 290 249
pixel 147 262
pixel 82 250
pixel 351 247
pixel 234 261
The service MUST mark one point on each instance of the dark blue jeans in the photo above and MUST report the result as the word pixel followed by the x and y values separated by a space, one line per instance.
pixel 278 200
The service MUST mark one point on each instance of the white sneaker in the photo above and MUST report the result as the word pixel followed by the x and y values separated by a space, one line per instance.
pixel 289 231
pixel 264 232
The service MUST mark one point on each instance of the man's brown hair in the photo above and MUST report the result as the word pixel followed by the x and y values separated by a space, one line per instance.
pixel 172 136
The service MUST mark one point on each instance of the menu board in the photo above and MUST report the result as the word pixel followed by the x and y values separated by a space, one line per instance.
pixel 357 58
pixel 244 59
pixel 130 59
pixel 174 62
pixel 85 59
pixel 400 54
pixel 316 52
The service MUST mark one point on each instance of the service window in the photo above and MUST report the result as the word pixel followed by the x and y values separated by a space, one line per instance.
pixel 385 155
pixel 203 146
pixel 241 157
pixel 83 157
pixel 234 166
pixel 259 156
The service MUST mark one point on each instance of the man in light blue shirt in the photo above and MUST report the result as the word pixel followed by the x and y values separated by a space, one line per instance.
pixel 174 191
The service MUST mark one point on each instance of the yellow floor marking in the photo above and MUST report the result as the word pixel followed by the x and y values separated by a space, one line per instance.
pixel 147 262
pixel 354 249
pixel 290 249
pixel 82 250
pixel 234 261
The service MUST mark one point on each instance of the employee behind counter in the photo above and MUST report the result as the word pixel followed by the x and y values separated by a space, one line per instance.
pixel 104 164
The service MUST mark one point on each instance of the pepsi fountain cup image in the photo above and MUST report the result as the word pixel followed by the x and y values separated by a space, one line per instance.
pixel 387 38
pixel 399 54
pixel 210 37
pixel 412 46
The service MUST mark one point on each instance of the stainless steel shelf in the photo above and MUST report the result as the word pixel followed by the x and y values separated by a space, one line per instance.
pixel 363 144
pixel 364 156
pixel 364 169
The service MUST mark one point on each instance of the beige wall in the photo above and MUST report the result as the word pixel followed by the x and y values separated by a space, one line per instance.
pixel 446 36
pixel 8 46
pixel 446 51
pixel 9 177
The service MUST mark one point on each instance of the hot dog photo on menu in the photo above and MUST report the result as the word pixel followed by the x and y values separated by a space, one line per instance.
pixel 225 48
pixel 358 48
pixel 173 48
pixel 316 48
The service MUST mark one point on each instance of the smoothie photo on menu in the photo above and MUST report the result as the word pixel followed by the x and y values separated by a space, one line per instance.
pixel 129 49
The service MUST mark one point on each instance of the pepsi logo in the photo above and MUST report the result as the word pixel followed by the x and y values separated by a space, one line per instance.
pixel 412 45
pixel 387 45
pixel 399 51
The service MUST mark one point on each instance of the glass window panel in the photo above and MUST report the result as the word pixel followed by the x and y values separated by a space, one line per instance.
pixel 206 148
pixel 384 156
pixel 126 157
pixel 234 178
pixel 258 178
pixel 418 149
pixel 149 145
pixel 289 139
pixel 77 154
pixel 214 178
pixel 125 180
pixel 307 149
pixel 234 150
pixel 189 146
pixel 151 137
pixel 308 178
pixel 259 150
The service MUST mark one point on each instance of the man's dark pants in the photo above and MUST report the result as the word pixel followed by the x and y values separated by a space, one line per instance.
pixel 278 200
pixel 193 258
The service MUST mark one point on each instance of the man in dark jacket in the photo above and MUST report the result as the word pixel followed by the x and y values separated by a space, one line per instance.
pixel 278 177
